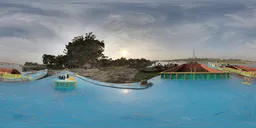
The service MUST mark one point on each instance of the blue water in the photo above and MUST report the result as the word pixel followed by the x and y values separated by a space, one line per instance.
pixel 167 104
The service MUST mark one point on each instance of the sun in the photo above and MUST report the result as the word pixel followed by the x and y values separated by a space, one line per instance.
pixel 123 53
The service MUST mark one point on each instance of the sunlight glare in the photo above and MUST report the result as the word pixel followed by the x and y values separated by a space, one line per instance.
pixel 124 53
pixel 125 91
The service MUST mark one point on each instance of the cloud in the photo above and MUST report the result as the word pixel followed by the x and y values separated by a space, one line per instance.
pixel 243 21
pixel 196 33
pixel 251 45
pixel 154 30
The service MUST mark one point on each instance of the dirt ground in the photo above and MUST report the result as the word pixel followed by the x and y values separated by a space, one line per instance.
pixel 111 75
pixel 53 72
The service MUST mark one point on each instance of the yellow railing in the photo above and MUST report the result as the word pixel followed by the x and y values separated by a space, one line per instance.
pixel 244 73
pixel 166 75
pixel 218 68
pixel 10 76
pixel 250 74
pixel 192 72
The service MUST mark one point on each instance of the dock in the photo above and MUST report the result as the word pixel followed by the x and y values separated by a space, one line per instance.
pixel 194 71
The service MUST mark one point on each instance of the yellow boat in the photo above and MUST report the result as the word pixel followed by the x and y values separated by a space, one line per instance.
pixel 247 80
pixel 69 83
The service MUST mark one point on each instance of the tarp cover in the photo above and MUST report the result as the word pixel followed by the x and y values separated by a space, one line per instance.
pixel 10 71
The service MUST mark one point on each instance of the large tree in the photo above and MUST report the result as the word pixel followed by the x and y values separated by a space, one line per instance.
pixel 61 61
pixel 84 49
pixel 88 50
pixel 48 59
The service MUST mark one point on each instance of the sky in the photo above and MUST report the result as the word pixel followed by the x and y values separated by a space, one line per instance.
pixel 151 29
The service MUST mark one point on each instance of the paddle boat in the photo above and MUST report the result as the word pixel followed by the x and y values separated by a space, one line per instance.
pixel 64 82
pixel 247 80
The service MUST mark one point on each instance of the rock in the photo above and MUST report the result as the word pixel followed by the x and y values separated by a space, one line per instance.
pixel 143 82
pixel 150 84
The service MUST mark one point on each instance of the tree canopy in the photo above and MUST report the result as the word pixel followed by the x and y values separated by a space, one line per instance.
pixel 84 49
pixel 48 59
pixel 89 50
pixel 30 64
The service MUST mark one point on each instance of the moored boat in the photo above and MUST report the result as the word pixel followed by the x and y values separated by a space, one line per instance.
pixel 241 70
pixel 12 75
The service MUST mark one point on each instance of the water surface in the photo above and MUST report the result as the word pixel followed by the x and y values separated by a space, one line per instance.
pixel 177 104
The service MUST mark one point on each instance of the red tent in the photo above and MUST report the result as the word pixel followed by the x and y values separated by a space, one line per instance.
pixel 246 68
pixel 9 71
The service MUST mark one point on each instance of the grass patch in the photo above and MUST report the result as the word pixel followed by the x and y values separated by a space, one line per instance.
pixel 143 75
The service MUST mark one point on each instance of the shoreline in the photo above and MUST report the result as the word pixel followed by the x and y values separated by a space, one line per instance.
pixel 108 75
pixel 117 75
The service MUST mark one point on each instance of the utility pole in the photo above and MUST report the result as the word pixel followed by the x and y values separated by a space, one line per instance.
pixel 194 55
